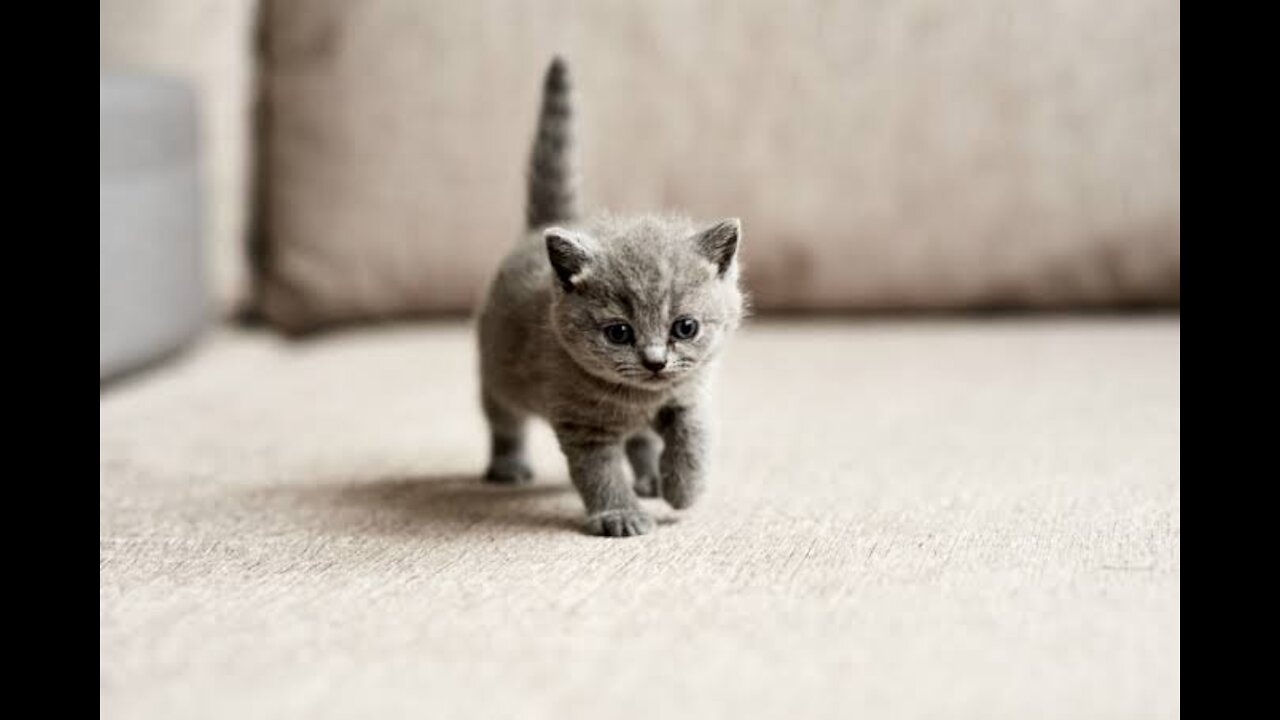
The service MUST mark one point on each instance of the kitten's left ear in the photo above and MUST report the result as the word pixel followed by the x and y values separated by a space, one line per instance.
pixel 719 244
pixel 569 254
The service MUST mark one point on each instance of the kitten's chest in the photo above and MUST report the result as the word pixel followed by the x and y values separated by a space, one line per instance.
pixel 608 408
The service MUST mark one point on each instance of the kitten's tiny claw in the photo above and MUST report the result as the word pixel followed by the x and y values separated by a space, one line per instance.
pixel 508 470
pixel 620 523
pixel 647 486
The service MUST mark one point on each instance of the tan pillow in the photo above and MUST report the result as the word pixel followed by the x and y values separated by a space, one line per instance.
pixel 917 154
pixel 208 43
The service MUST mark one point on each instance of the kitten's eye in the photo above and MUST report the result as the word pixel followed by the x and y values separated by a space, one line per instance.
pixel 619 333
pixel 684 328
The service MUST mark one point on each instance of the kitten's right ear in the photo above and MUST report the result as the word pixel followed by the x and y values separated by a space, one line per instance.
pixel 719 244
pixel 569 256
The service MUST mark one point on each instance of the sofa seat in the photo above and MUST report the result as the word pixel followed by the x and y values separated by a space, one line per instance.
pixel 908 518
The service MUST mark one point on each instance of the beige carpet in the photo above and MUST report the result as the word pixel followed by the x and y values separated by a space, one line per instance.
pixel 913 519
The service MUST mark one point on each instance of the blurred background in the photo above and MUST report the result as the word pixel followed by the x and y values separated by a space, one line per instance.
pixel 364 160
pixel 949 484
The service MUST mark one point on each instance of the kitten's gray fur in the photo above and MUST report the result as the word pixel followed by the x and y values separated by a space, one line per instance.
pixel 625 429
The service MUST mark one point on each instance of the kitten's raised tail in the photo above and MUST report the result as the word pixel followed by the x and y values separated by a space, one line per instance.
pixel 553 195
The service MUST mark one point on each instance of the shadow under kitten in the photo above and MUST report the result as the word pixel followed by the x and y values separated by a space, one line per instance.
pixel 419 505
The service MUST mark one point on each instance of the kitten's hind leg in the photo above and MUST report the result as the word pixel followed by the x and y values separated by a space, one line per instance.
pixel 508 462
pixel 643 450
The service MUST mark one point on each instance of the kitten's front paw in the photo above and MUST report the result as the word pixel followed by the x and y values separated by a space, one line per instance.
pixel 509 470
pixel 647 486
pixel 680 491
pixel 620 523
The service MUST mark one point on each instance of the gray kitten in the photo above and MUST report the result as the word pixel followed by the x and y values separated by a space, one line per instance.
pixel 609 328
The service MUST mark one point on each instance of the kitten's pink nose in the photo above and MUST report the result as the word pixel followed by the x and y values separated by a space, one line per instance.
pixel 654 359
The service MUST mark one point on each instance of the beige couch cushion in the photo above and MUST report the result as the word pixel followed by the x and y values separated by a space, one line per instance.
pixel 208 43
pixel 907 520
pixel 923 153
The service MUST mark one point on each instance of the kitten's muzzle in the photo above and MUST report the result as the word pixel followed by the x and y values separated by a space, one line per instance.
pixel 654 359
pixel 654 366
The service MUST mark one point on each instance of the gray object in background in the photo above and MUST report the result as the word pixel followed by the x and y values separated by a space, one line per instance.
pixel 152 292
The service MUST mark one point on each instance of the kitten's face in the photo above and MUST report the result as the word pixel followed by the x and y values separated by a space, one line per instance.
pixel 645 302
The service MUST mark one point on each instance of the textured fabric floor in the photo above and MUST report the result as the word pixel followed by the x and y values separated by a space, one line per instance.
pixel 909 519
